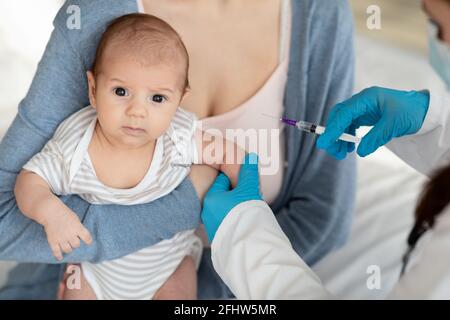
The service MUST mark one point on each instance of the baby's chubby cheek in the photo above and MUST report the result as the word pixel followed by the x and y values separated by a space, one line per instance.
pixel 157 127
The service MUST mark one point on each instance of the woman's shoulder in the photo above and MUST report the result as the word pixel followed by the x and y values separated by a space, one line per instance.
pixel 322 5
pixel 322 11
pixel 91 13
pixel 82 22
pixel 328 23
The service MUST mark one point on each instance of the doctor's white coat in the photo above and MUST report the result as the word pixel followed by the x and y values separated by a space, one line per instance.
pixel 255 259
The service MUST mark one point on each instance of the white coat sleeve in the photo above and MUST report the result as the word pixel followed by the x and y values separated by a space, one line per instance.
pixel 255 259
pixel 429 148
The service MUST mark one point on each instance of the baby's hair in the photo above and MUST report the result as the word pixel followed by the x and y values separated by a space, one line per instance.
pixel 146 38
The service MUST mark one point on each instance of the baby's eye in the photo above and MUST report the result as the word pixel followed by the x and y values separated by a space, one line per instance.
pixel 121 92
pixel 158 98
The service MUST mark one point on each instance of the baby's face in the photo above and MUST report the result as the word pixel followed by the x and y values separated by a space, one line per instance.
pixel 135 103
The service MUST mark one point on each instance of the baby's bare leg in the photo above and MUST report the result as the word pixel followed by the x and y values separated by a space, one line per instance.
pixel 77 288
pixel 182 284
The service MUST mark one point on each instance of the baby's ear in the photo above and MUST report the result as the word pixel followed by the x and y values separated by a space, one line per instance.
pixel 186 92
pixel 91 86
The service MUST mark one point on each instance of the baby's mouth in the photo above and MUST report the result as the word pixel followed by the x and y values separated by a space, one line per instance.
pixel 133 131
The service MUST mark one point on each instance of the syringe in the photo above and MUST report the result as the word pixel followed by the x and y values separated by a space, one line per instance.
pixel 313 128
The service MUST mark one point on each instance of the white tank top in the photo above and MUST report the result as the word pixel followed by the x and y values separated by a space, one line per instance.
pixel 248 116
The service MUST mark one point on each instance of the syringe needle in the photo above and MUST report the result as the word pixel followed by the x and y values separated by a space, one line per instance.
pixel 312 128
pixel 270 116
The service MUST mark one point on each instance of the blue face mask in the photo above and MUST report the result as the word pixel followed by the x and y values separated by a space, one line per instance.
pixel 439 54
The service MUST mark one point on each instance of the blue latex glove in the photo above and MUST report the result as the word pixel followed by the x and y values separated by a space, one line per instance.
pixel 219 199
pixel 393 114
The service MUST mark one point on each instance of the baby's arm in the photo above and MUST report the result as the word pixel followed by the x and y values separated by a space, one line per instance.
pixel 219 153
pixel 62 226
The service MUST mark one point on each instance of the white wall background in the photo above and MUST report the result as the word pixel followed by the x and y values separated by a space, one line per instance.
pixel 25 26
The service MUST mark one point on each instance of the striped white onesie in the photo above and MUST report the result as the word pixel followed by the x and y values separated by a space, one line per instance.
pixel 65 164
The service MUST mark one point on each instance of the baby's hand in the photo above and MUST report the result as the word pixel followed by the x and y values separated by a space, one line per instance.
pixel 64 231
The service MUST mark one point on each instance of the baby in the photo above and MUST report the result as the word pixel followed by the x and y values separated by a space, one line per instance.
pixel 132 145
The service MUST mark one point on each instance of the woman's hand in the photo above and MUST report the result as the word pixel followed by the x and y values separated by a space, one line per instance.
pixel 220 199
pixel 393 114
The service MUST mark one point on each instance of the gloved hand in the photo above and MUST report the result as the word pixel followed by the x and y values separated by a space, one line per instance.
pixel 219 199
pixel 393 114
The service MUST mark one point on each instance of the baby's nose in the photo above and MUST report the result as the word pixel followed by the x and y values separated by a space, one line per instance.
pixel 137 109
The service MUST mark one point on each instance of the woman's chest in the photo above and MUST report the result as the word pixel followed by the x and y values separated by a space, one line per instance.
pixel 224 74
pixel 231 55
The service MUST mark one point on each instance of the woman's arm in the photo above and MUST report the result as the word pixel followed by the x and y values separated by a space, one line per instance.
pixel 317 215
pixel 59 89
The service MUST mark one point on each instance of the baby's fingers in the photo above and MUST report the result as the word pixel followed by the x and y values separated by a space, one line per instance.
pixel 75 242
pixel 65 246
pixel 56 250
pixel 85 235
